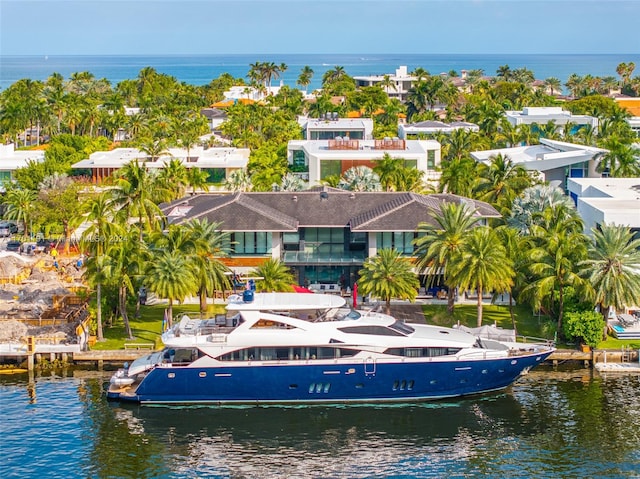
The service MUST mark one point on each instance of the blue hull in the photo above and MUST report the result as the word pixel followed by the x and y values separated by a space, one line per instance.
pixel 329 383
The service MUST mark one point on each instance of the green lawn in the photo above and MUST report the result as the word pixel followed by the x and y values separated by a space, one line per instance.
pixel 147 328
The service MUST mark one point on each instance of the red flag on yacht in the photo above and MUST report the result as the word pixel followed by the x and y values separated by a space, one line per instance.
pixel 355 295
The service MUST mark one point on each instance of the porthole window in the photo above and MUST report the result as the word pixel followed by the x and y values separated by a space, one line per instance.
pixel 171 375
pixel 410 385
pixel 202 374
pixel 396 385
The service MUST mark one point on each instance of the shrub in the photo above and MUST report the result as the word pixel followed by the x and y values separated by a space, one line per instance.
pixel 586 326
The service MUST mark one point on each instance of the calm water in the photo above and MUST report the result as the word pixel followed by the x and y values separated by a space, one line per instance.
pixel 201 69
pixel 574 424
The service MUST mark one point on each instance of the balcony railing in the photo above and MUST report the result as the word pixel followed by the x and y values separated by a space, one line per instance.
pixel 389 144
pixel 343 144
pixel 304 257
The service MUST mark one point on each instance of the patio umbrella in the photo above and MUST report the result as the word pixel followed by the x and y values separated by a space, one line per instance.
pixel 355 295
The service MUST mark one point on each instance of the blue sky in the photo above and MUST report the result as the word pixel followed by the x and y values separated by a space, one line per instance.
pixel 74 27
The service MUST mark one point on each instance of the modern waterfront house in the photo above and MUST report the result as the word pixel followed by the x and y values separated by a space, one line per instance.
pixel 555 161
pixel 217 162
pixel 323 234
pixel 543 115
pixel 12 159
pixel 322 158
pixel 607 200
pixel 402 82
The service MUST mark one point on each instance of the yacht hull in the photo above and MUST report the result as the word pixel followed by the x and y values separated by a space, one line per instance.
pixel 311 381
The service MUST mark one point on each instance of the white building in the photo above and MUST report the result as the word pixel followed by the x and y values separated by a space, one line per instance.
pixel 432 127
pixel 554 160
pixel 324 158
pixel 11 160
pixel 543 115
pixel 332 127
pixel 401 80
pixel 607 200
pixel 218 162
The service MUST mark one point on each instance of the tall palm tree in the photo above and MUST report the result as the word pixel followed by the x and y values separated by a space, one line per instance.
pixel 122 267
pixel 173 179
pixel 170 275
pixel 304 79
pixel 613 268
pixel 483 264
pixel 99 213
pixel 458 176
pixel 386 169
pixel 559 248
pixel 501 181
pixel 527 206
pixel 622 158
pixel 210 244
pixel 388 275
pixel 439 242
pixel 274 276
pixel 133 195
pixel 553 84
pixel 197 179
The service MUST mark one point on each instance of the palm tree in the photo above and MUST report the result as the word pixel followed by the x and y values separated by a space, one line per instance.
pixel 388 84
pixel 98 211
pixel 20 206
pixel 386 169
pixel 483 264
pixel 210 244
pixel 273 276
pixel 197 179
pixel 388 275
pixel 621 160
pixel 304 79
pixel 169 275
pixel 133 195
pixel 533 200
pixel 501 181
pixel 458 176
pixel 613 268
pixel 553 84
pixel 439 242
pixel 173 180
pixel 122 266
pixel 559 248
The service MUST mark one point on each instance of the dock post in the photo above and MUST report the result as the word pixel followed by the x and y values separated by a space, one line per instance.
pixel 31 349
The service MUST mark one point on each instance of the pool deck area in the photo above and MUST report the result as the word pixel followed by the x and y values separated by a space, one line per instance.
pixel 625 326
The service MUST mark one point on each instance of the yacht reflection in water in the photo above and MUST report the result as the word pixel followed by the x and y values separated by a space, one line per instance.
pixel 325 441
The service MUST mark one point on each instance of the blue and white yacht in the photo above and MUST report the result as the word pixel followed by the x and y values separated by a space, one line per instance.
pixel 332 355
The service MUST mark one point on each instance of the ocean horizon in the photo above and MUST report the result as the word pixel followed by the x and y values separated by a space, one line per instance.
pixel 201 69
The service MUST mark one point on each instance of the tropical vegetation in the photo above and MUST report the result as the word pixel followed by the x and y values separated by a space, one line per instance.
pixel 538 251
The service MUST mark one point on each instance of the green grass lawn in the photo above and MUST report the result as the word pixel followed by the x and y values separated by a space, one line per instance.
pixel 148 327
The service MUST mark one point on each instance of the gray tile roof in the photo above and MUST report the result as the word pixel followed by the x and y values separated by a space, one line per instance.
pixel 317 207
